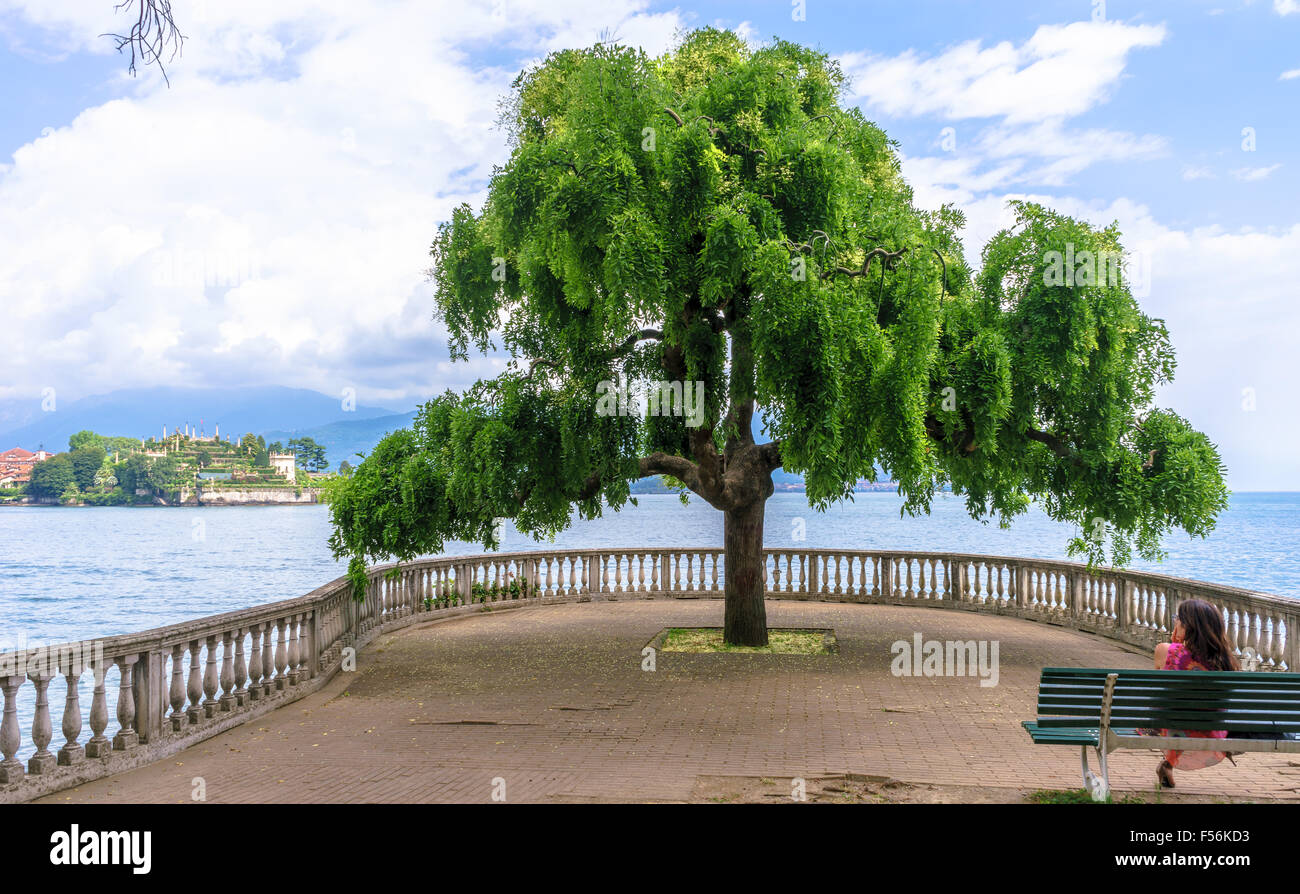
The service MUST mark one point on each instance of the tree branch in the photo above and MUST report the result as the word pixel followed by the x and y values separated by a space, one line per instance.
pixel 889 257
pixel 634 339
pixel 153 30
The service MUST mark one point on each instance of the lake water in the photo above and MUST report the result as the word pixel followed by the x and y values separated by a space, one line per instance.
pixel 75 573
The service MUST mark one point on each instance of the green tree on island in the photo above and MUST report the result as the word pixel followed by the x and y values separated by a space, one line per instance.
pixel 718 216
pixel 51 478
pixel 86 463
pixel 310 455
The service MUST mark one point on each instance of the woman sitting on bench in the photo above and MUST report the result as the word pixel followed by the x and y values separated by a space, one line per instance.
pixel 1199 643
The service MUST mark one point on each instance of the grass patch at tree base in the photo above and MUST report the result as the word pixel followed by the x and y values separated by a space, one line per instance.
pixel 708 640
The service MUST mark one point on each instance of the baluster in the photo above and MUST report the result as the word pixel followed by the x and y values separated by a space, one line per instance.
pixel 241 670
pixel 641 566
pixel 227 700
pixel 176 694
pixel 126 737
pixel 281 654
pixel 43 761
pixel 295 649
pixel 255 664
pixel 99 745
pixel 72 753
pixel 210 703
pixel 1256 623
pixel 195 688
pixel 11 769
pixel 1267 625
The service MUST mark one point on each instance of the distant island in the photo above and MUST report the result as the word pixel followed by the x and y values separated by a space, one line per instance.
pixel 184 467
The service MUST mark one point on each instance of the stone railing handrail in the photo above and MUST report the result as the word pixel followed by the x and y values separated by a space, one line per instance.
pixel 246 662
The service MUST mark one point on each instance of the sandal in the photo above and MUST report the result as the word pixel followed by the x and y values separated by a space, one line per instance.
pixel 1165 774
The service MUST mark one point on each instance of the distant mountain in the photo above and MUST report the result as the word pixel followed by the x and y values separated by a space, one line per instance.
pixel 343 440
pixel 142 412
pixel 17 413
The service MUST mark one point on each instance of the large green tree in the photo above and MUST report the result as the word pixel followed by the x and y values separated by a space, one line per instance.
pixel 718 216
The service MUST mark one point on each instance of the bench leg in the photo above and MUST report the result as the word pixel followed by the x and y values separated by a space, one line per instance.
pixel 1097 786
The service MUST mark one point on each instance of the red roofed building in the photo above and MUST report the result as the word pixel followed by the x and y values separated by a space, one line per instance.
pixel 17 463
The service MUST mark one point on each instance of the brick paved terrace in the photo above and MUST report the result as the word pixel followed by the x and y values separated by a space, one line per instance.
pixel 553 699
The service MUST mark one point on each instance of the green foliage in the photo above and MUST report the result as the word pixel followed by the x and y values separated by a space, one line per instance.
pixel 115 497
pixel 105 477
pixel 155 474
pixel 130 473
pixel 87 438
pixel 84 438
pixel 311 456
pixel 51 478
pixel 718 215
pixel 86 463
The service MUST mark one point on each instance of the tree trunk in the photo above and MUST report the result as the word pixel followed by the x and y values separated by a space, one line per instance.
pixel 745 615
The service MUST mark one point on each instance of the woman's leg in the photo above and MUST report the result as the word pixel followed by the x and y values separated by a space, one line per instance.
pixel 1165 772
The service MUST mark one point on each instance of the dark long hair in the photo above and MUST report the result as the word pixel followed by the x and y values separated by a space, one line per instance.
pixel 1204 636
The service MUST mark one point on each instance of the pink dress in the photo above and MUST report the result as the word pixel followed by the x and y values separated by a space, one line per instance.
pixel 1179 658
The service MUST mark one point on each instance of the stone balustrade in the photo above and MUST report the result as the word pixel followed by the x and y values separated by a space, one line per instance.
pixel 173 686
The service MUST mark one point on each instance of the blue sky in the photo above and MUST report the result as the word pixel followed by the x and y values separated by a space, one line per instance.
pixel 266 219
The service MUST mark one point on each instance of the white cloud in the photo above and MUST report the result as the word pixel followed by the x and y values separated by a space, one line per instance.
pixel 1197 172
pixel 1286 7
pixel 268 218
pixel 1252 174
pixel 748 33
pixel 1061 71
pixel 1289 75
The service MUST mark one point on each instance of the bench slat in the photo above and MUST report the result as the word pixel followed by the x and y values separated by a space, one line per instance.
pixel 1139 673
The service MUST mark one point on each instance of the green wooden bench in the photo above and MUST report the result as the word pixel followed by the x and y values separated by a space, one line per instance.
pixel 1103 710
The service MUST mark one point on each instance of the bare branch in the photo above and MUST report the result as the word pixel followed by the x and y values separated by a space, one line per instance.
pixel 152 32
